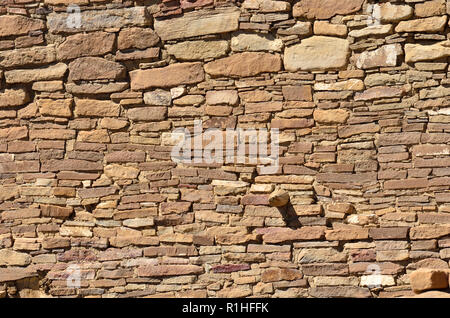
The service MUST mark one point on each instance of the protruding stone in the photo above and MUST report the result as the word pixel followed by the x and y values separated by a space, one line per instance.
pixel 317 53
pixel 279 198
pixel 384 56
pixel 427 279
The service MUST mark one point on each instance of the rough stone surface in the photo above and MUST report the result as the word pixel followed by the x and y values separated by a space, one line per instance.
pixel 427 279
pixel 198 50
pixel 244 64
pixel 169 76
pixel 324 9
pixel 320 168
pixel 198 23
pixel 317 53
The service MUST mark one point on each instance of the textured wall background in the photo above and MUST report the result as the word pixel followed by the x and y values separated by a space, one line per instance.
pixel 359 93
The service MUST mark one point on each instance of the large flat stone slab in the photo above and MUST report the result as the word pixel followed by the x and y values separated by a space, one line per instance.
pixel 198 23
pixel 317 53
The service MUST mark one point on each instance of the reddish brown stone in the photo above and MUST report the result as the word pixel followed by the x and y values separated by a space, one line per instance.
pixel 230 268
pixel 325 9
pixel 244 64
pixel 172 75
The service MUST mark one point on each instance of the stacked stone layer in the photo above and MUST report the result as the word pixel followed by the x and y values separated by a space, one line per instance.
pixel 360 96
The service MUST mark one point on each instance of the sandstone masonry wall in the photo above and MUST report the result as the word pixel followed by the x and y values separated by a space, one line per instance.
pixel 359 90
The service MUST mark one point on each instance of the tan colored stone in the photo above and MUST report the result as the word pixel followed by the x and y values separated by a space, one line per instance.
pixel 96 88
pixel 331 116
pixel 433 24
pixel 169 76
pixel 13 97
pixel 8 192
pixel 48 86
pixel 198 23
pixel 379 92
pixel 198 50
pixel 55 107
pixel 95 20
pixel 225 97
pixel 317 53
pixel 266 5
pixel 349 85
pixel 28 56
pixel 430 8
pixel 279 198
pixel 139 38
pixel 12 258
pixel 85 44
pixel 18 25
pixel 327 28
pixel 394 13
pixel 46 73
pixel 98 135
pixel 381 29
pixel 426 279
pixel 255 42
pixel 121 172
pixel 95 68
pixel 96 108
pixel 418 52
pixel 325 9
pixel 244 64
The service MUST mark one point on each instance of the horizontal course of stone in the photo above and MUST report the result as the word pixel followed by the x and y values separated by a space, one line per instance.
pixel 358 90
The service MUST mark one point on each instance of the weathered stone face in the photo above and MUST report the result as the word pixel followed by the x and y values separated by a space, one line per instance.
pixel 317 53
pixel 169 76
pixel 385 56
pixel 323 9
pixel 198 50
pixel 96 20
pixel 244 64
pixel 95 68
pixel 198 23
pixel 89 44
pixel 18 25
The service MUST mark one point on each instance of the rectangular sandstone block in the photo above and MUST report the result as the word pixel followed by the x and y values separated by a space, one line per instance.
pixel 169 76
pixel 198 23
pixel 95 20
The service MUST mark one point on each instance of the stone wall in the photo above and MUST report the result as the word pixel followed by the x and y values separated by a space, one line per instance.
pixel 89 188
